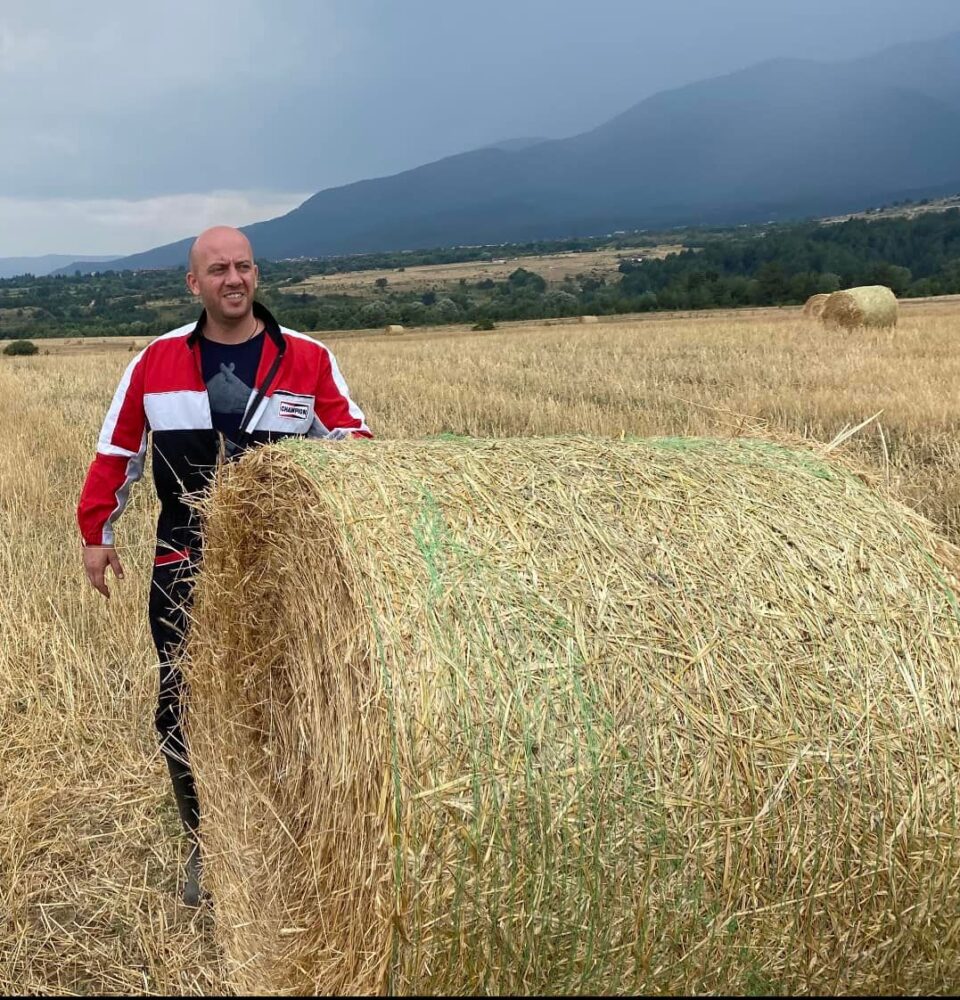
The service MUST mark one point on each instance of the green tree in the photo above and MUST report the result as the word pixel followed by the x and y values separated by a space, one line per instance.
pixel 828 282
pixel 446 311
pixel 560 303
pixel 774 287
pixel 373 313
pixel 413 312
pixel 522 278
pixel 896 278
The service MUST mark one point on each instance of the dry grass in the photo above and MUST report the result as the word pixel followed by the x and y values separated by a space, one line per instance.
pixel 88 856
pixel 552 267
pixel 701 375
pixel 88 845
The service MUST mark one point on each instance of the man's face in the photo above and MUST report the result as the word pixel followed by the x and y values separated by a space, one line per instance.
pixel 224 276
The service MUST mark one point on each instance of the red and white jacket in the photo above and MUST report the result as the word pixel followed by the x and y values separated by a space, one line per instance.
pixel 299 392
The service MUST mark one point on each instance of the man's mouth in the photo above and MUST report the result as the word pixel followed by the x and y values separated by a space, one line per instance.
pixel 234 296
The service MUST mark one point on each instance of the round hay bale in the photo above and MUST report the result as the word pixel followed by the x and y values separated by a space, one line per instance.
pixel 393 328
pixel 814 305
pixel 589 319
pixel 575 716
pixel 867 305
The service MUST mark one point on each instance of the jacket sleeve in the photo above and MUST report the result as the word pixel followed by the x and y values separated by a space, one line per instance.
pixel 119 460
pixel 336 415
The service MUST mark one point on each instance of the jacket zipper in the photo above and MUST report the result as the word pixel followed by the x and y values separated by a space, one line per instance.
pixel 260 394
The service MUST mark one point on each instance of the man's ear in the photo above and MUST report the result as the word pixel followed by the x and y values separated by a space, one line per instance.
pixel 192 284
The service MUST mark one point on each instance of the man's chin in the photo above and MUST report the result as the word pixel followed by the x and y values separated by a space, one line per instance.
pixel 232 311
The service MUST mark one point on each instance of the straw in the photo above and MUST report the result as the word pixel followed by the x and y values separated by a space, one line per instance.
pixel 575 716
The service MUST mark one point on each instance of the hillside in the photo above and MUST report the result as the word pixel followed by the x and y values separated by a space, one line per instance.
pixel 906 209
pixel 782 139
pixel 10 267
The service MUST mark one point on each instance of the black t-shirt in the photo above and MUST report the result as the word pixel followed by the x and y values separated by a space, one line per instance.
pixel 230 371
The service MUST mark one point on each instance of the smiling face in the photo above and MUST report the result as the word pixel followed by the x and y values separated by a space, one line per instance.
pixel 223 275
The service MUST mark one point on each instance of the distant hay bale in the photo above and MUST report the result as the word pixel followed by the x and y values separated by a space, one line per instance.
pixel 575 716
pixel 867 305
pixel 589 319
pixel 814 305
pixel 393 328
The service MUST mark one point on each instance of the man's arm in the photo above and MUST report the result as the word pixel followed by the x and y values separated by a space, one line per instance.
pixel 117 465
pixel 337 414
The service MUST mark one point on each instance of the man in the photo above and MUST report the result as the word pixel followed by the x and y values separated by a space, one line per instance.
pixel 205 392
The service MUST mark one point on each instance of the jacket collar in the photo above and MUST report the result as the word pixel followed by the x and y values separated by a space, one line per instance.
pixel 261 312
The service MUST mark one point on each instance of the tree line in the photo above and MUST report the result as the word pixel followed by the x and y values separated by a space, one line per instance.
pixel 757 266
pixel 784 266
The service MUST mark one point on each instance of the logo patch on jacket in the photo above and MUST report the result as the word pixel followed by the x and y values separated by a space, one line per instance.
pixel 295 411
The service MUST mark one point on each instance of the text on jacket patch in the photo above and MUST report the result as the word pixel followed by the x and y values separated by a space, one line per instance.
pixel 295 411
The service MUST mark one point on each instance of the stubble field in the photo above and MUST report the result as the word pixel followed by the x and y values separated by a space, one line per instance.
pixel 89 852
pixel 552 267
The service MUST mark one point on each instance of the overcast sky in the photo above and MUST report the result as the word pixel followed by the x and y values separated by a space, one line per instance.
pixel 126 125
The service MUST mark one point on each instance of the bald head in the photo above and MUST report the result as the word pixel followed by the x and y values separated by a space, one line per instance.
pixel 217 239
pixel 223 276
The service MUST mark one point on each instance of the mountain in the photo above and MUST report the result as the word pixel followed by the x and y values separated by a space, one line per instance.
pixel 513 145
pixel 11 267
pixel 786 138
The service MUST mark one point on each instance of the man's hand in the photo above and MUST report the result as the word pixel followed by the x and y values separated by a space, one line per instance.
pixel 96 559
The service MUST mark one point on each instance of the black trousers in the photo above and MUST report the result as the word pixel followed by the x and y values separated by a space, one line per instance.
pixel 171 596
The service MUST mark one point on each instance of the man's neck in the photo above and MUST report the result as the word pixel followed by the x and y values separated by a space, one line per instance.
pixel 235 332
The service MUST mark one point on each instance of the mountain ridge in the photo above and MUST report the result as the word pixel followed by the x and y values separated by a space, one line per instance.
pixel 783 138
pixel 43 264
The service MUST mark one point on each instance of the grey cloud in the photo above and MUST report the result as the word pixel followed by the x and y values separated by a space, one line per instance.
pixel 111 99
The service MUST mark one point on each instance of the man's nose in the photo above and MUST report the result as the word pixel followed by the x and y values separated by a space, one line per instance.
pixel 233 275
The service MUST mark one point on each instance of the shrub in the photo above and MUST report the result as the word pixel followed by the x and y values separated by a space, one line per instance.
pixel 560 303
pixel 446 311
pixel 413 312
pixel 485 324
pixel 372 314
pixel 522 278
pixel 21 348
